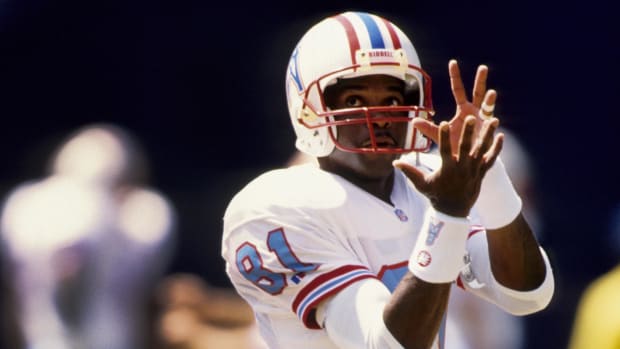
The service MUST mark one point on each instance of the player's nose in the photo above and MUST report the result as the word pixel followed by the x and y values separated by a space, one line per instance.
pixel 380 120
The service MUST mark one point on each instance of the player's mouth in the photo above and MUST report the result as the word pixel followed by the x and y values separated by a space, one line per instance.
pixel 382 141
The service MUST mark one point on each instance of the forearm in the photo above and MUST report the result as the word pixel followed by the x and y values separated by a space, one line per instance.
pixel 414 313
pixel 516 261
pixel 415 310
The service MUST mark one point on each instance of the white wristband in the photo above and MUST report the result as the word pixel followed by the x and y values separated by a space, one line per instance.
pixel 498 203
pixel 438 253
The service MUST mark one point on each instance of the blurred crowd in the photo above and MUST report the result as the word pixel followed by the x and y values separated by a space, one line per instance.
pixel 84 254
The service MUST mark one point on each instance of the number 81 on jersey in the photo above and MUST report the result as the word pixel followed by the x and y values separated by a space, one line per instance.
pixel 251 266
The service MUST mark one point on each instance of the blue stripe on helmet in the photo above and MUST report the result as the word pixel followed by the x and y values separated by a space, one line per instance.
pixel 376 40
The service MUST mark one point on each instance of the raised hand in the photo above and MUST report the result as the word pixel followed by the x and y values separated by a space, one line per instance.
pixel 454 187
pixel 481 105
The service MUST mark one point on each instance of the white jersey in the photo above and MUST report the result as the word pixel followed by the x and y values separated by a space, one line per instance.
pixel 295 236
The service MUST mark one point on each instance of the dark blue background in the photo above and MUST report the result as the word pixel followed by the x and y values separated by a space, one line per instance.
pixel 201 85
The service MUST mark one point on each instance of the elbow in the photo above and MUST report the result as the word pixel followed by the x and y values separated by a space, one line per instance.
pixel 529 302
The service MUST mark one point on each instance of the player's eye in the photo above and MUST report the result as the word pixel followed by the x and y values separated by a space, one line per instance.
pixel 353 101
pixel 394 102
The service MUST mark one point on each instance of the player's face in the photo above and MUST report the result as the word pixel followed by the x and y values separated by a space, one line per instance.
pixel 372 90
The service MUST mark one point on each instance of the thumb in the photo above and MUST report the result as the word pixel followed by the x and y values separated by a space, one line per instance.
pixel 428 128
pixel 416 176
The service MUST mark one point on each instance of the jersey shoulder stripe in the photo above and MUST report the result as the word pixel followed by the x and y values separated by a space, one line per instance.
pixel 323 286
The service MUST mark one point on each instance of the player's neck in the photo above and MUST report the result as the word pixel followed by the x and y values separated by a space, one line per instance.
pixel 380 188
pixel 377 186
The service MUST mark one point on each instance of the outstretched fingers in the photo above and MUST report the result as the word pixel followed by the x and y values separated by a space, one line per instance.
pixel 487 135
pixel 428 128
pixel 491 155
pixel 480 85
pixel 488 105
pixel 465 142
pixel 445 143
pixel 456 83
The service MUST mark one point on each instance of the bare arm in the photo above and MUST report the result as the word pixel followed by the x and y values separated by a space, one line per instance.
pixel 516 261
pixel 415 310
pixel 468 148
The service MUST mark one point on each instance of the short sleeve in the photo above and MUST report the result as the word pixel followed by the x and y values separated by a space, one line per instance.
pixel 289 263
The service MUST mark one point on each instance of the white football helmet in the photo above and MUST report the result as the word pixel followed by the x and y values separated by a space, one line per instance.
pixel 349 45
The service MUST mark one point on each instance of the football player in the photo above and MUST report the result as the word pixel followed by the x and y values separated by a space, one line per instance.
pixel 89 241
pixel 359 249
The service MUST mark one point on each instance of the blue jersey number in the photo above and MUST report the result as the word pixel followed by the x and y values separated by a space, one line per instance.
pixel 250 263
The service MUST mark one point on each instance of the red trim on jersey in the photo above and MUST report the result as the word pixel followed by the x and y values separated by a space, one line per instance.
pixel 393 35
pixel 310 321
pixel 354 43
pixel 459 282
pixel 320 281
pixel 474 231
pixel 391 267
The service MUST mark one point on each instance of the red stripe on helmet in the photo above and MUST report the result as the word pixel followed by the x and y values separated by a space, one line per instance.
pixel 354 43
pixel 393 35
